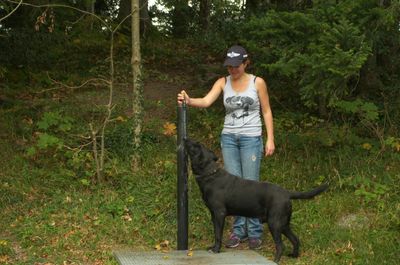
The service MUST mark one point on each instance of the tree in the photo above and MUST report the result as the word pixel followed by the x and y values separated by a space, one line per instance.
pixel 180 19
pixel 205 11
pixel 137 83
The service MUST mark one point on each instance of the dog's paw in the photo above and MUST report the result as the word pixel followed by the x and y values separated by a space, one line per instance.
pixel 293 255
pixel 213 249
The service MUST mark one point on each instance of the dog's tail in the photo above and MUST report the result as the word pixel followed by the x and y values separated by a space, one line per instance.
pixel 308 194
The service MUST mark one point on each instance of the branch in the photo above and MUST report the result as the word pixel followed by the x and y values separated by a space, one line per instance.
pixel 78 148
pixel 99 168
pixel 92 80
pixel 122 21
pixel 15 9
pixel 82 85
pixel 76 21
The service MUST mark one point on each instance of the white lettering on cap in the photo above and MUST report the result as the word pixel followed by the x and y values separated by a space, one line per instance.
pixel 233 54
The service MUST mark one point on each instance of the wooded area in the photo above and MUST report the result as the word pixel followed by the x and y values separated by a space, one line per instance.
pixel 88 111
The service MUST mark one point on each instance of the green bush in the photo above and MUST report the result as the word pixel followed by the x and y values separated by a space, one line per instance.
pixel 322 57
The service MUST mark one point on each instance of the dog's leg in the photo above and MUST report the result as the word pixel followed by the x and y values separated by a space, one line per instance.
pixel 294 240
pixel 218 218
pixel 287 231
pixel 276 231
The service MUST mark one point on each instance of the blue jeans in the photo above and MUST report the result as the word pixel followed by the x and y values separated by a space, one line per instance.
pixel 242 157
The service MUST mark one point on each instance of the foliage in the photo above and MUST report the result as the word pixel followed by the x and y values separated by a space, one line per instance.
pixel 183 19
pixel 322 56
pixel 56 123
pixel 364 110
pixel 68 47
pixel 119 139
pixel 52 139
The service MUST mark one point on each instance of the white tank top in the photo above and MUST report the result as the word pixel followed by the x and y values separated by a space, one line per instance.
pixel 242 110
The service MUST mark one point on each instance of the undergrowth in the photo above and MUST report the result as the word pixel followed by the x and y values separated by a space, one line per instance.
pixel 53 214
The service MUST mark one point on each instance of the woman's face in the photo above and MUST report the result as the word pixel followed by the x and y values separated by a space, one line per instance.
pixel 237 72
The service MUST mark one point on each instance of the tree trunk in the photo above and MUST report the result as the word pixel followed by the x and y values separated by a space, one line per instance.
pixel 137 84
pixel 145 22
pixel 144 18
pixel 252 6
pixel 124 9
pixel 205 9
pixel 90 8
pixel 180 19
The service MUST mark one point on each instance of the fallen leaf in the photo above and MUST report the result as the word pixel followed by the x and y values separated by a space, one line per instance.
pixel 69 233
pixel 4 259
pixel 165 243
pixel 163 246
pixel 348 248
pixel 121 119
pixel 367 146
pixel 169 129
pixel 127 217
pixel 397 147
pixel 28 121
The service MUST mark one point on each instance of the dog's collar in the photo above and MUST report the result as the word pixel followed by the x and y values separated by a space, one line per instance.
pixel 208 174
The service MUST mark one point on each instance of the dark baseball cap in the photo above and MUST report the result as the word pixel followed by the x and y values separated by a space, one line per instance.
pixel 235 56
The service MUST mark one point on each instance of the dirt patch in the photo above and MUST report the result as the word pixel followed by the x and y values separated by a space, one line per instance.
pixel 354 221
pixel 160 99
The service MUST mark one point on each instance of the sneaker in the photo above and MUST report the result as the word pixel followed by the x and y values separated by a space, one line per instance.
pixel 255 243
pixel 234 241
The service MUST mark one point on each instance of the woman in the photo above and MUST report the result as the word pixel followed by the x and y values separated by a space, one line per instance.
pixel 245 96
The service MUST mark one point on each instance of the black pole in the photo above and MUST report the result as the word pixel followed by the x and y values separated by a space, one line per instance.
pixel 182 185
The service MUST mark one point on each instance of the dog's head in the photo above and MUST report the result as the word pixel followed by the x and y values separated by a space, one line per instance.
pixel 202 159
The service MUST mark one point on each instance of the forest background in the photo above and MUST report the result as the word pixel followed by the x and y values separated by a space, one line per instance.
pixel 71 122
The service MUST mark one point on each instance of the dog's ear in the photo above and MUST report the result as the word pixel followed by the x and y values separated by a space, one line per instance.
pixel 187 142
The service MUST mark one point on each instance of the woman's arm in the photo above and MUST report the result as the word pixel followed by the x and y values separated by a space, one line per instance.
pixel 262 90
pixel 205 101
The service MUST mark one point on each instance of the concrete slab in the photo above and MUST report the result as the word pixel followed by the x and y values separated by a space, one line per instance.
pixel 183 257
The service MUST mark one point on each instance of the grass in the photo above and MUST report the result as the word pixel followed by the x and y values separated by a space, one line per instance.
pixel 49 216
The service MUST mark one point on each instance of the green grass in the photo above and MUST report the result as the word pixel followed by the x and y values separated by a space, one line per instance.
pixel 49 216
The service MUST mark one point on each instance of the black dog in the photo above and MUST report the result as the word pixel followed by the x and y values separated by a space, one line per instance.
pixel 225 194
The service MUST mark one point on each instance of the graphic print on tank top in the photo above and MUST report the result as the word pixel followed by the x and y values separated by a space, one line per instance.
pixel 238 107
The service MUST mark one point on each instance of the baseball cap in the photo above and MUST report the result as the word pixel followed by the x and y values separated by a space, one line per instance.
pixel 235 56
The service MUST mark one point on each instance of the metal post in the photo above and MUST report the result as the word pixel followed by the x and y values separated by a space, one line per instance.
pixel 182 185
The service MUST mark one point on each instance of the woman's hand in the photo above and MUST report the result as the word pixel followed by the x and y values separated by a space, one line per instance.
pixel 183 96
pixel 269 148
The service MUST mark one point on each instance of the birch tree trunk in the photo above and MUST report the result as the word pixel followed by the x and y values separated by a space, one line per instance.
pixel 137 84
